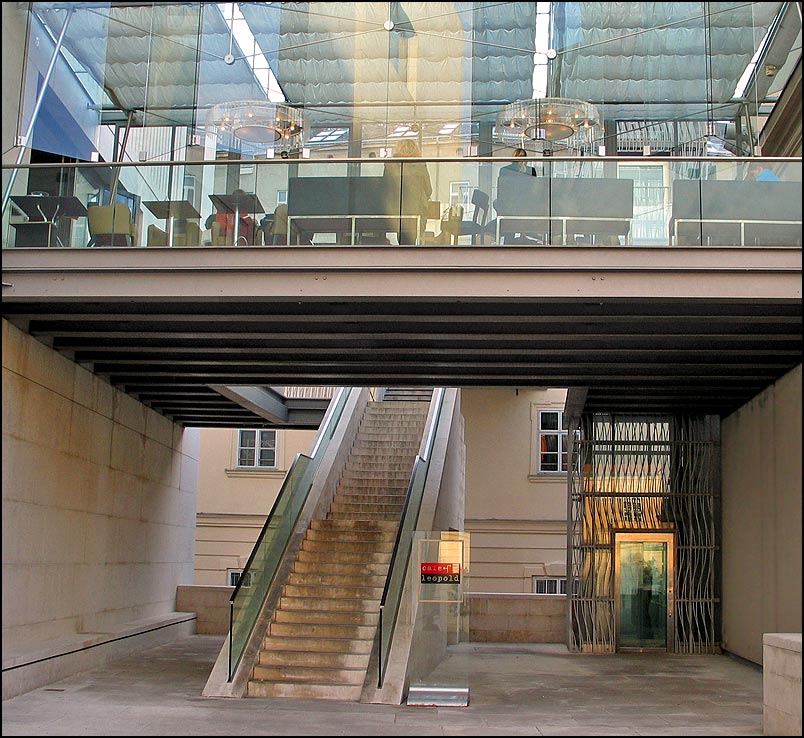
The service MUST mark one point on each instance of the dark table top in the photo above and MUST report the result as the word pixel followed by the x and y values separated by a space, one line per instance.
pixel 165 209
pixel 246 203
pixel 39 207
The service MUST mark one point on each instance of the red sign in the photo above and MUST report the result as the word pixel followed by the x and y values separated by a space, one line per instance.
pixel 434 572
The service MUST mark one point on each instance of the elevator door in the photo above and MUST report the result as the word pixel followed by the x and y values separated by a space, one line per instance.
pixel 644 591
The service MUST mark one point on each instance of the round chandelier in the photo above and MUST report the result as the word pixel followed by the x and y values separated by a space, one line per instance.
pixel 549 119
pixel 259 121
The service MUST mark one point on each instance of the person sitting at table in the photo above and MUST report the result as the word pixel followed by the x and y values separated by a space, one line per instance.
pixel 511 173
pixel 758 172
pixel 223 227
pixel 416 189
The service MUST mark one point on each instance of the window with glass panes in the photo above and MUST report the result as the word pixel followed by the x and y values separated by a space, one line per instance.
pixel 256 448
pixel 552 440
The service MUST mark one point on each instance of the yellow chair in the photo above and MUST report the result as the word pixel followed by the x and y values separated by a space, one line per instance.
pixel 157 237
pixel 190 237
pixel 111 225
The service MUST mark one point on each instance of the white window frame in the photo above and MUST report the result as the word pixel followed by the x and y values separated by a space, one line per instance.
pixel 258 432
pixel 560 432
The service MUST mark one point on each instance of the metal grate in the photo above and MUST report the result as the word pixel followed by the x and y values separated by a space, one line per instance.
pixel 657 473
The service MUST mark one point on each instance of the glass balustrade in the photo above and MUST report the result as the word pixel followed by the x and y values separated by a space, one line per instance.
pixel 490 202
pixel 247 600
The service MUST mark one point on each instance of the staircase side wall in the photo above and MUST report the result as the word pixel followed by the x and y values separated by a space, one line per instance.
pixel 441 509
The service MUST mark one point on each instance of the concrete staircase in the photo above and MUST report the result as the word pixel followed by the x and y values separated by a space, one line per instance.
pixel 321 635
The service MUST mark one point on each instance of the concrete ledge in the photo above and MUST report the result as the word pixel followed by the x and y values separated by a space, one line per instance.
pixel 50 661
pixel 781 683
pixel 209 602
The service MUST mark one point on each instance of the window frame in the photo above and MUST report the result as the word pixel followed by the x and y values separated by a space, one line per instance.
pixel 562 445
pixel 258 434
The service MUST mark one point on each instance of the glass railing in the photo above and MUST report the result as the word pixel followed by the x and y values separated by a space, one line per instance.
pixel 591 201
pixel 252 587
pixel 398 567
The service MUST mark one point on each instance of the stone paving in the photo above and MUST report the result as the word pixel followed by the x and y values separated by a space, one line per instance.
pixel 515 689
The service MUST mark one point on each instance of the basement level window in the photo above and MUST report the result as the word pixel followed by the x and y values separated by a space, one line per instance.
pixel 549 585
pixel 235 574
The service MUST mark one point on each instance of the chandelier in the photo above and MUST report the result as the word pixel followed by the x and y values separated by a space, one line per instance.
pixel 259 122
pixel 548 120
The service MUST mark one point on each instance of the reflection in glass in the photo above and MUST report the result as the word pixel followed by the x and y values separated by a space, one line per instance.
pixel 643 595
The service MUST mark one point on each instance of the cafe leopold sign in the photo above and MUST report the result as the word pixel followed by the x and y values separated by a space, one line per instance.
pixel 438 573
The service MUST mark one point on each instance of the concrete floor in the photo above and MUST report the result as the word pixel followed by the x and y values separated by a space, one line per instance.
pixel 514 690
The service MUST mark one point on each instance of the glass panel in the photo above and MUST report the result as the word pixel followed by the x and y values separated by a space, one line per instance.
pixel 643 595
pixel 262 565
pixel 549 420
pixel 549 462
pixel 398 568
pixel 232 202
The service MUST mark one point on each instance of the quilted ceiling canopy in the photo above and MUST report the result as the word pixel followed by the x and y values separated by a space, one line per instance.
pixel 378 63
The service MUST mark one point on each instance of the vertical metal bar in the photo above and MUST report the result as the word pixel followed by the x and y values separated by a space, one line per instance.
pixel 231 623
pixel 379 650
pixel 35 114
pixel 116 172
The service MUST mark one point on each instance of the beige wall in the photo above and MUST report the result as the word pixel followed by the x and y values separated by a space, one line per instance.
pixel 98 501
pixel 516 516
pixel 234 503
pixel 762 518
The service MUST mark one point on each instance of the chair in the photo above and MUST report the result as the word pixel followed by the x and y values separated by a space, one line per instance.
pixel 111 225
pixel 222 234
pixel 190 235
pixel 477 225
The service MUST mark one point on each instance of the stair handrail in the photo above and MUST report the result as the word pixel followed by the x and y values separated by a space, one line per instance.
pixel 401 553
pixel 281 521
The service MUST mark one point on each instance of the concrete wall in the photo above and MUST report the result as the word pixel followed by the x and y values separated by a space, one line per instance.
pixel 210 605
pixel 761 488
pixel 781 684
pixel 15 32
pixel 516 516
pixel 99 500
pixel 233 502
pixel 517 618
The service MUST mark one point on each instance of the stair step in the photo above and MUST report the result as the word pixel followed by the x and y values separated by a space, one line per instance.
pixel 320 659
pixel 324 578
pixel 317 645
pixel 375 476
pixel 369 525
pixel 336 568
pixel 327 617
pixel 355 536
pixel 339 692
pixel 370 499
pixel 327 592
pixel 364 516
pixel 345 557
pixel 304 674
pixel 358 507
pixel 289 602
pixel 334 547
pixel 322 630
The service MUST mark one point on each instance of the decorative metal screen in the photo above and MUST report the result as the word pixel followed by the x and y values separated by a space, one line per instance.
pixel 646 473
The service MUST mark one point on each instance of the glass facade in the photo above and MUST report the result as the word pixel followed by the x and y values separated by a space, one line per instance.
pixel 203 100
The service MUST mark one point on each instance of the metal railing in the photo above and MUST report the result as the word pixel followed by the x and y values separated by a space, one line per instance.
pixel 397 569
pixel 260 571
pixel 557 201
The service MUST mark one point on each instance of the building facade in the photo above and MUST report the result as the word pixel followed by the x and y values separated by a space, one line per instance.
pixel 198 205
